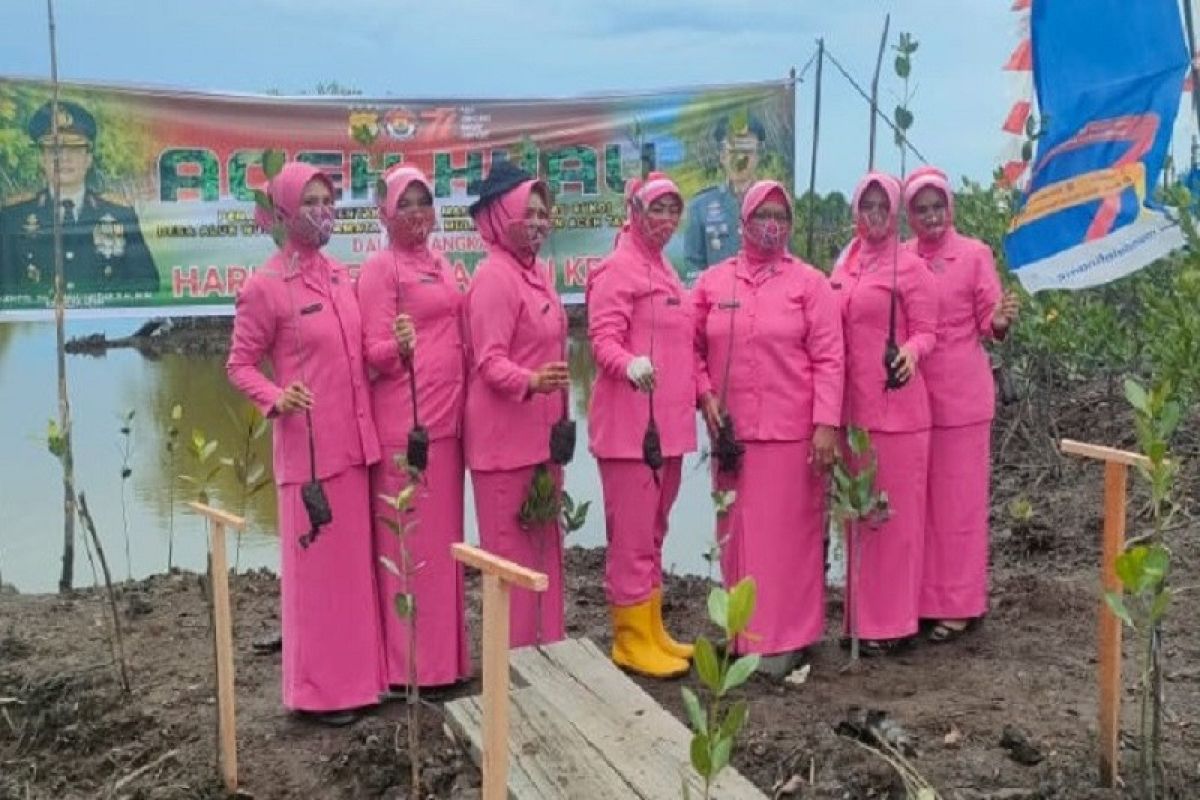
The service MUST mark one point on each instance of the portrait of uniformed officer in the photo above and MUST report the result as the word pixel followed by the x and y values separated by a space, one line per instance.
pixel 103 248
pixel 713 229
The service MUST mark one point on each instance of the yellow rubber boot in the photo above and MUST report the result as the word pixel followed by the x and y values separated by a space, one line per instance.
pixel 634 647
pixel 664 640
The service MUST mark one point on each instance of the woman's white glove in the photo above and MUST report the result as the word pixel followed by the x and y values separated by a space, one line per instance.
pixel 641 373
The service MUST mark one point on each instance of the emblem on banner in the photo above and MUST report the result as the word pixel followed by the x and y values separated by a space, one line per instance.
pixel 109 238
pixel 400 123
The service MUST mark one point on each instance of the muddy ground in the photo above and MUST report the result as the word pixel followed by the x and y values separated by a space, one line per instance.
pixel 67 731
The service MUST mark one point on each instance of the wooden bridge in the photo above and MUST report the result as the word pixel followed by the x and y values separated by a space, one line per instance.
pixel 576 727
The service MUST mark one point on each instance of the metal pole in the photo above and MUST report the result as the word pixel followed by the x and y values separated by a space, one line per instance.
pixel 1191 40
pixel 887 21
pixel 66 578
pixel 812 168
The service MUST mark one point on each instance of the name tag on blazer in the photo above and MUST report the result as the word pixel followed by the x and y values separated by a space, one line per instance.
pixel 674 301
pixel 729 304
pixel 835 285
pixel 312 309
pixel 429 279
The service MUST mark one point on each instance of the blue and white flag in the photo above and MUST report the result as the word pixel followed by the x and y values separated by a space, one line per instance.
pixel 1108 75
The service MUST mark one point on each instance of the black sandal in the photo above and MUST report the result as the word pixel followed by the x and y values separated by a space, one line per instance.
pixel 881 647
pixel 941 633
pixel 332 719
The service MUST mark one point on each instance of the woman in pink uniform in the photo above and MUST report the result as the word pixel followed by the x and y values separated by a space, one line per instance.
pixel 770 342
pixel 882 287
pixel 640 325
pixel 958 375
pixel 406 291
pixel 517 388
pixel 299 313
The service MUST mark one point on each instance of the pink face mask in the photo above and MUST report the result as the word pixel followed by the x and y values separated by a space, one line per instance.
pixel 769 235
pixel 657 231
pixel 310 226
pixel 526 236
pixel 412 226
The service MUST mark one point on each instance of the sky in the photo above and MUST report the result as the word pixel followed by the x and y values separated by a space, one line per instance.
pixel 536 48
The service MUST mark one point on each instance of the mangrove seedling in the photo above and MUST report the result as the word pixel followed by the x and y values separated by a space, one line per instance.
pixel 171 463
pixel 856 502
pixel 544 504
pixel 201 449
pixel 249 471
pixel 272 163
pixel 715 727
pixel 902 117
pixel 126 431
pixel 405 605
pixel 1144 569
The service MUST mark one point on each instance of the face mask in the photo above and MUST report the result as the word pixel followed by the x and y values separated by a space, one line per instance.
pixel 929 226
pixel 770 235
pixel 658 230
pixel 311 226
pixel 412 226
pixel 526 236
pixel 871 225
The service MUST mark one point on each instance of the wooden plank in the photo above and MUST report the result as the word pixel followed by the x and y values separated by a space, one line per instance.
pixel 590 686
pixel 1102 453
pixel 464 723
pixel 489 564
pixel 1109 660
pixel 551 759
pixel 653 767
pixel 217 515
pixel 495 687
pixel 223 632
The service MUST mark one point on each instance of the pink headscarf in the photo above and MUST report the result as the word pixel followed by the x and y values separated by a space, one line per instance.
pixel 928 178
pixel 406 230
pixel 891 187
pixel 397 179
pixel 757 246
pixel 286 191
pixel 639 194
pixel 494 220
pixel 860 245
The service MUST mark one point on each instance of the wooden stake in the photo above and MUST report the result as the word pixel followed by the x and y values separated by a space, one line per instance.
pixel 223 635
pixel 812 167
pixel 67 576
pixel 498 576
pixel 1108 663
pixel 887 21
pixel 495 688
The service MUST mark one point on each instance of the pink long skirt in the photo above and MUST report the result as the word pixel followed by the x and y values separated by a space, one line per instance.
pixel 954 584
pixel 498 498
pixel 436 520
pixel 774 533
pixel 884 562
pixel 332 644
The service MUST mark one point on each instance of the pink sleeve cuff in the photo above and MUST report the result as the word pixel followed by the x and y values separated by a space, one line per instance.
pixel 825 416
pixel 385 356
pixel 921 344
